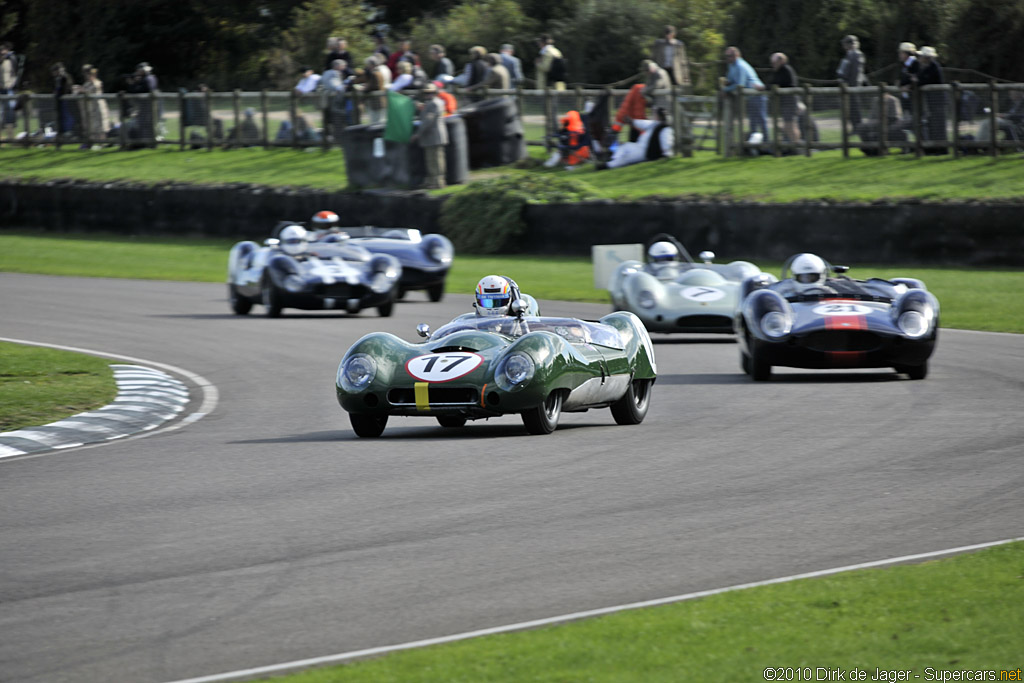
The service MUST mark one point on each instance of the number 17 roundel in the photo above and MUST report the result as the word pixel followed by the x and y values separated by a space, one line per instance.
pixel 443 367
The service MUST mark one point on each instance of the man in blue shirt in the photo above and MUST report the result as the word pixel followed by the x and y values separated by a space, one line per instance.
pixel 742 75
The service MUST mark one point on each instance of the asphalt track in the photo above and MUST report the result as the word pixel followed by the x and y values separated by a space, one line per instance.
pixel 266 532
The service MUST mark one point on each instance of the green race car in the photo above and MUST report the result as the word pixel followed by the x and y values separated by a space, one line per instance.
pixel 480 367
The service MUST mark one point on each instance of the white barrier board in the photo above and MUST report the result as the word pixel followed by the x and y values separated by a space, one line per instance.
pixel 606 257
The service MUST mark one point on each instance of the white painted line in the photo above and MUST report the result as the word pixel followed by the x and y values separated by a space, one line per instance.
pixel 8 451
pixel 563 618
pixel 210 393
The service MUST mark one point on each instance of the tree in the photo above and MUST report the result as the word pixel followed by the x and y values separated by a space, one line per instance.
pixel 988 38
pixel 489 23
pixel 310 24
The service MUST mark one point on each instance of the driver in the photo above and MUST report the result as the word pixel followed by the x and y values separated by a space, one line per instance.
pixel 294 240
pixel 494 296
pixel 663 259
pixel 808 272
pixel 323 222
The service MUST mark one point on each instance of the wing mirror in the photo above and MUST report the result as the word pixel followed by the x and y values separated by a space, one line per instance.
pixel 518 307
pixel 706 256
pixel 840 270
pixel 271 242
pixel 423 330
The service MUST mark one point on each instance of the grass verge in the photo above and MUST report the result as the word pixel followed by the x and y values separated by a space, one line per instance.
pixel 955 614
pixel 826 175
pixel 971 298
pixel 39 385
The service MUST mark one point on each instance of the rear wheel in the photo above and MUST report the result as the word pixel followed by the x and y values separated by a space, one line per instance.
pixel 399 294
pixel 370 426
pixel 631 409
pixel 760 369
pixel 436 292
pixel 239 304
pixel 385 309
pixel 914 371
pixel 271 298
pixel 544 418
pixel 451 421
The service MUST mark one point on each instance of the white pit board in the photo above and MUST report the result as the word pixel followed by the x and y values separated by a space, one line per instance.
pixel 607 257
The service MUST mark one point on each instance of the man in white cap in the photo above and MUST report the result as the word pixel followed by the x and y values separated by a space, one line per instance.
pixel 432 136
pixel 907 54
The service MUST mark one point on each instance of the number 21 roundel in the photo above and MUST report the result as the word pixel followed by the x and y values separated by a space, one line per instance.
pixel 443 367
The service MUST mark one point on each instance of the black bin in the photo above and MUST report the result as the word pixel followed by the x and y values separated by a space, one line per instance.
pixel 495 133
pixel 402 164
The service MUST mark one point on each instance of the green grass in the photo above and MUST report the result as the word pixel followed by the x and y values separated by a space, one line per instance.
pixel 38 385
pixel 826 175
pixel 978 299
pixel 952 614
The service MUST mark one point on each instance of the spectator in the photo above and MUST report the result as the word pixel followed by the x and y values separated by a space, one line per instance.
pixel 871 129
pixel 337 48
pixel 512 64
pixel 551 70
pixel 8 84
pixel 248 132
pixel 309 81
pixel 432 136
pixel 332 100
pixel 403 54
pixel 94 111
pixel 741 75
pixel 657 84
pixel 476 70
pixel 444 70
pixel 670 54
pixel 784 76
pixel 62 87
pixel 497 75
pixel 303 131
pixel 655 142
pixel 374 80
pixel 410 77
pixel 633 108
pixel 381 47
pixel 1011 123
pixel 851 72
pixel 451 105
pixel 909 67
pixel 930 73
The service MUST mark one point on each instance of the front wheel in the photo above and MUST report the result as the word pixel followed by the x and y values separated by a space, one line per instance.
pixel 386 309
pixel 369 426
pixel 436 292
pixel 239 304
pixel 632 408
pixel 914 371
pixel 271 298
pixel 760 369
pixel 544 418
pixel 451 421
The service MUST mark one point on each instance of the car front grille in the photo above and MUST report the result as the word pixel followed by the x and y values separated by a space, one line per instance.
pixel 704 322
pixel 438 396
pixel 337 290
pixel 843 340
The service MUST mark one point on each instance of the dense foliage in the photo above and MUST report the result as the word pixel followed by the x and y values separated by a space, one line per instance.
pixel 236 43
pixel 487 217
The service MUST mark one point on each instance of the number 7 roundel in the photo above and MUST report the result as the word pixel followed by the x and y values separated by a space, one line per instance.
pixel 443 367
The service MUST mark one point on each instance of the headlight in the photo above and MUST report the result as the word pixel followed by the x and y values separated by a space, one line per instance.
pixel 356 372
pixel 514 372
pixel 440 253
pixel 645 299
pixel 776 324
pixel 913 324
pixel 380 282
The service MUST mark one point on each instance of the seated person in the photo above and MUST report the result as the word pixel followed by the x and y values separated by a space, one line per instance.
pixel 808 274
pixel 871 128
pixel 1011 123
pixel 663 261
pixel 572 142
pixel 494 296
pixel 656 141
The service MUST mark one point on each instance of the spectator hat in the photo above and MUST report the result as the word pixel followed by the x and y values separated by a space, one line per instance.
pixel 928 51
pixel 429 88
pixel 909 48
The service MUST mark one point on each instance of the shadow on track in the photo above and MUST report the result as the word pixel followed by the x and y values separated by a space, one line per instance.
pixel 426 431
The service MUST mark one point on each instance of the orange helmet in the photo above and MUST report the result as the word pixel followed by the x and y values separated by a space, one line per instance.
pixel 324 219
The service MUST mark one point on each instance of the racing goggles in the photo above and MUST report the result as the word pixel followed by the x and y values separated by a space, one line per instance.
pixel 492 301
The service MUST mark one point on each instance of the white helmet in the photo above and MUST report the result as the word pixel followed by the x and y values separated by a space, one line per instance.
pixel 661 252
pixel 324 220
pixel 494 295
pixel 294 240
pixel 808 271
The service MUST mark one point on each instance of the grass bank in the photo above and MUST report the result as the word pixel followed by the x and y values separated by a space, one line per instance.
pixel 38 385
pixel 970 298
pixel 956 614
pixel 825 175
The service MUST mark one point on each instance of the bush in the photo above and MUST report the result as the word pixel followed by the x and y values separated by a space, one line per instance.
pixel 488 216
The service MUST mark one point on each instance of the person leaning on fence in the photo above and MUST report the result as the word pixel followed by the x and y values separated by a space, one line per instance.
pixel 550 64
pixel 512 64
pixel 657 88
pixel 741 75
pixel 909 66
pixel 497 75
pixel 374 80
pixel 332 95
pixel 444 70
pixel 432 136
pixel 308 82
pixel 851 72
pixel 784 76
pixel 930 73
pixel 656 141
pixel 476 70
pixel 669 53
pixel 94 108
pixel 8 84
pixel 61 87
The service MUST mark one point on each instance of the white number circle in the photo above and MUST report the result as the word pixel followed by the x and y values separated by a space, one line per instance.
pixel 703 293
pixel 443 367
pixel 841 309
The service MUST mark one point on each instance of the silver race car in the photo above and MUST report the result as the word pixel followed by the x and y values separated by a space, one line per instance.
pixel 673 293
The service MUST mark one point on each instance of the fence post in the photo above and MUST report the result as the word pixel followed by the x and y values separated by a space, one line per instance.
pixel 918 144
pixel 28 120
pixel 844 115
pixel 775 120
pixel 993 107
pixel 883 122
pixel 548 115
pixel 266 118
pixel 236 98
pixel 741 109
pixel 181 120
pixel 86 128
pixel 579 97
pixel 956 119
pixel 676 122
pixel 153 116
pixel 809 121
pixel 122 130
pixel 292 109
pixel 519 100
pixel 208 101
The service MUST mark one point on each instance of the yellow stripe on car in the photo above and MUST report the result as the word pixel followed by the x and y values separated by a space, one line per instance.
pixel 422 395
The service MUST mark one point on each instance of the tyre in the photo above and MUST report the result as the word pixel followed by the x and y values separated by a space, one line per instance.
pixel 631 409
pixel 368 426
pixel 239 304
pixel 386 309
pixel 400 294
pixel 914 371
pixel 745 363
pixel 452 421
pixel 271 297
pixel 760 370
pixel 544 418
pixel 436 292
